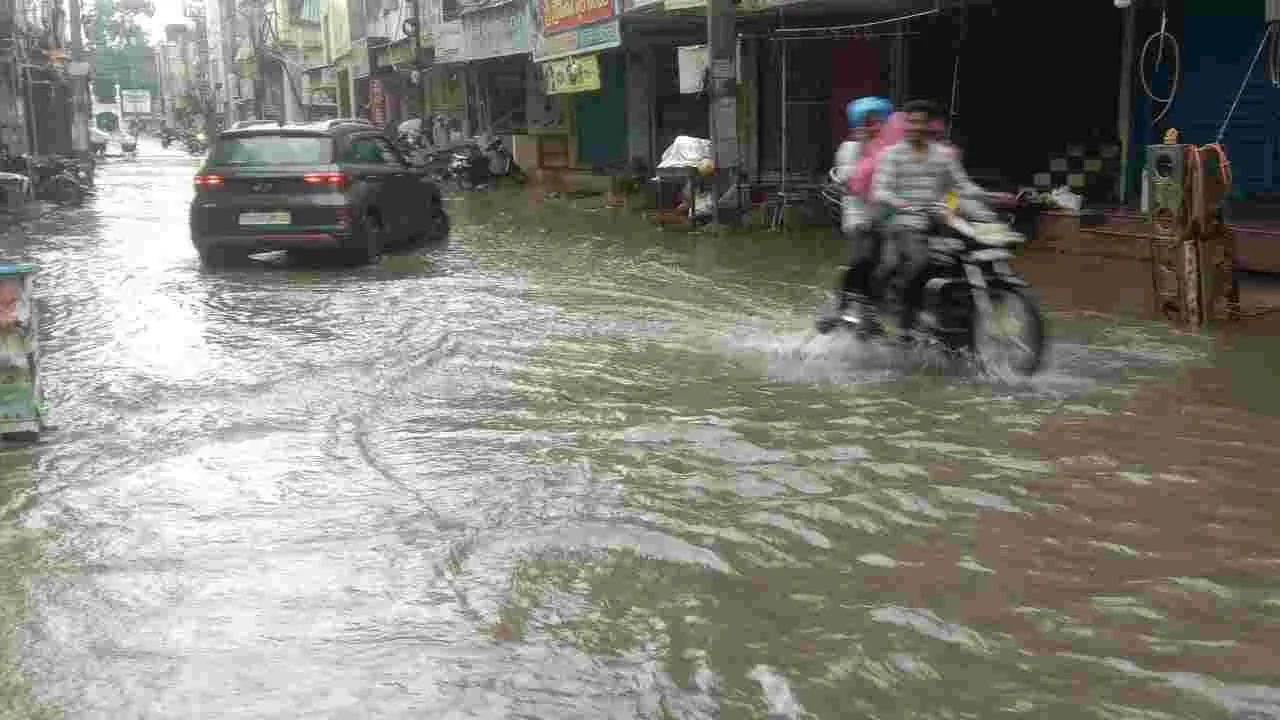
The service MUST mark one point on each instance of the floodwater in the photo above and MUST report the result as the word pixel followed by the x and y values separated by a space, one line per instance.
pixel 570 466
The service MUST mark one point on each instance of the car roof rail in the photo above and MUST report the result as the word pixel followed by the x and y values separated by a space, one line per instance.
pixel 241 124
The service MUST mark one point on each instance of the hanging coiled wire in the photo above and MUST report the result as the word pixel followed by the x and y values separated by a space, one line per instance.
pixel 1159 40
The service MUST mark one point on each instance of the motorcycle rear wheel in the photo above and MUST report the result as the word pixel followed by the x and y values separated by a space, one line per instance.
pixel 1029 342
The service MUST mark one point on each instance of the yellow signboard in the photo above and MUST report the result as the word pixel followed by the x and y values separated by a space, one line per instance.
pixel 576 74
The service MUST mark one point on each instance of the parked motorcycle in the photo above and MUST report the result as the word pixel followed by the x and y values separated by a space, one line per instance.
pixel 195 143
pixel 59 179
pixel 472 166
pixel 468 167
pixel 501 163
pixel 974 303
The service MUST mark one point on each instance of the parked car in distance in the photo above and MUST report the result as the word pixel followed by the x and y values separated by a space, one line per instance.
pixel 328 187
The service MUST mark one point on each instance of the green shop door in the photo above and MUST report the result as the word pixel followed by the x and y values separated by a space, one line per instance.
pixel 601 117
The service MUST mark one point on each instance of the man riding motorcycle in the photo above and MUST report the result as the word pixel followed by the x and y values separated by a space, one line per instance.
pixel 913 179
pixel 866 117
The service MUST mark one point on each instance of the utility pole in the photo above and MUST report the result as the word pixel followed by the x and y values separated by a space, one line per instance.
pixel 416 7
pixel 722 44
pixel 259 80
pixel 80 109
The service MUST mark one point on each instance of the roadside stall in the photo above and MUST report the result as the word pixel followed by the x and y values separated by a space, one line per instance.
pixel 20 381
pixel 687 162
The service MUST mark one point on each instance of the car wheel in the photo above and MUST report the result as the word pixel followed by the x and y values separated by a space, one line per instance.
pixel 368 242
pixel 66 192
pixel 437 224
pixel 214 257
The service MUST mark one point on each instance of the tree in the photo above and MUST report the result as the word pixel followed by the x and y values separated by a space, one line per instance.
pixel 120 46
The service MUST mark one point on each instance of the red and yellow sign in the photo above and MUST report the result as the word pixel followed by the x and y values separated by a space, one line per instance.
pixel 560 15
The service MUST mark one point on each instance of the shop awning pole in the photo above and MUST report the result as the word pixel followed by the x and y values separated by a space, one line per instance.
pixel 1124 116
pixel 782 199
pixel 955 93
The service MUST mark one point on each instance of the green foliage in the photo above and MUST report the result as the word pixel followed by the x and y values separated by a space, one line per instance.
pixel 120 45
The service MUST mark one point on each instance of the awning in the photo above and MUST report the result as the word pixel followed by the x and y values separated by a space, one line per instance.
pixel 471 6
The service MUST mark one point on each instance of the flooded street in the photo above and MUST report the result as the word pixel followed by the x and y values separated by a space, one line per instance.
pixel 570 466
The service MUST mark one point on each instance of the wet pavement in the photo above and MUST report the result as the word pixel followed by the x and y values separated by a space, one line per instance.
pixel 569 466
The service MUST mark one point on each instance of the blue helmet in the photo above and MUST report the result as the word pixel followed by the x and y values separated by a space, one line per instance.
pixel 858 110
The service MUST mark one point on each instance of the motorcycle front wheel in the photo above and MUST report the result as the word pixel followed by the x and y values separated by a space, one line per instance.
pixel 1012 337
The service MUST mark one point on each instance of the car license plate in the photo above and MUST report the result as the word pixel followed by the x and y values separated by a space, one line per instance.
pixel 265 218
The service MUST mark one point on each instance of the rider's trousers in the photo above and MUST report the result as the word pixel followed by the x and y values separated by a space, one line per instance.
pixel 860 276
pixel 907 255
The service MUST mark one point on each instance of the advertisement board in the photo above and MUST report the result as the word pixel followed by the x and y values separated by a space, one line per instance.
pixel 449 42
pixel 135 101
pixel 580 73
pixel 560 15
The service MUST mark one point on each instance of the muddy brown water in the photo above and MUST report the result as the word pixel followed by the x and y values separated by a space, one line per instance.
pixel 570 466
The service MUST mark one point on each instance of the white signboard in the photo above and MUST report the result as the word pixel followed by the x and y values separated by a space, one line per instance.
pixel 449 42
pixel 135 101
pixel 496 32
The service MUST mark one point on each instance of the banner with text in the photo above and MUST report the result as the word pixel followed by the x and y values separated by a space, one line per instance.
pixel 449 42
pixel 561 15
pixel 579 41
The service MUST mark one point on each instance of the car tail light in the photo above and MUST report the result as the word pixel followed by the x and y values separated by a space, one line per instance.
pixel 208 181
pixel 343 219
pixel 338 180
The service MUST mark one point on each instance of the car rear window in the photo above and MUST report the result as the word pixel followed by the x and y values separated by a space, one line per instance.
pixel 273 150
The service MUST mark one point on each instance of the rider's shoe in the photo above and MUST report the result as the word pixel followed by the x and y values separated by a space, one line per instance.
pixel 840 315
pixel 867 324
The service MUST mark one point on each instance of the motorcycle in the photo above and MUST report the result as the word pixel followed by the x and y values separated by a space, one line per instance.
pixel 61 180
pixel 130 148
pixel 468 167
pixel 195 144
pixel 501 163
pixel 970 289
pixel 473 166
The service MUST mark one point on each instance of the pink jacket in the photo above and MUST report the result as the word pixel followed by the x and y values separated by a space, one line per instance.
pixel 893 132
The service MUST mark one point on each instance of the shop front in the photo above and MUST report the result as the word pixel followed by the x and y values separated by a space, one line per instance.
pixel 496 47
pixel 582 78
pixel 396 96
pixel 447 83
pixel 354 65
pixel 320 93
